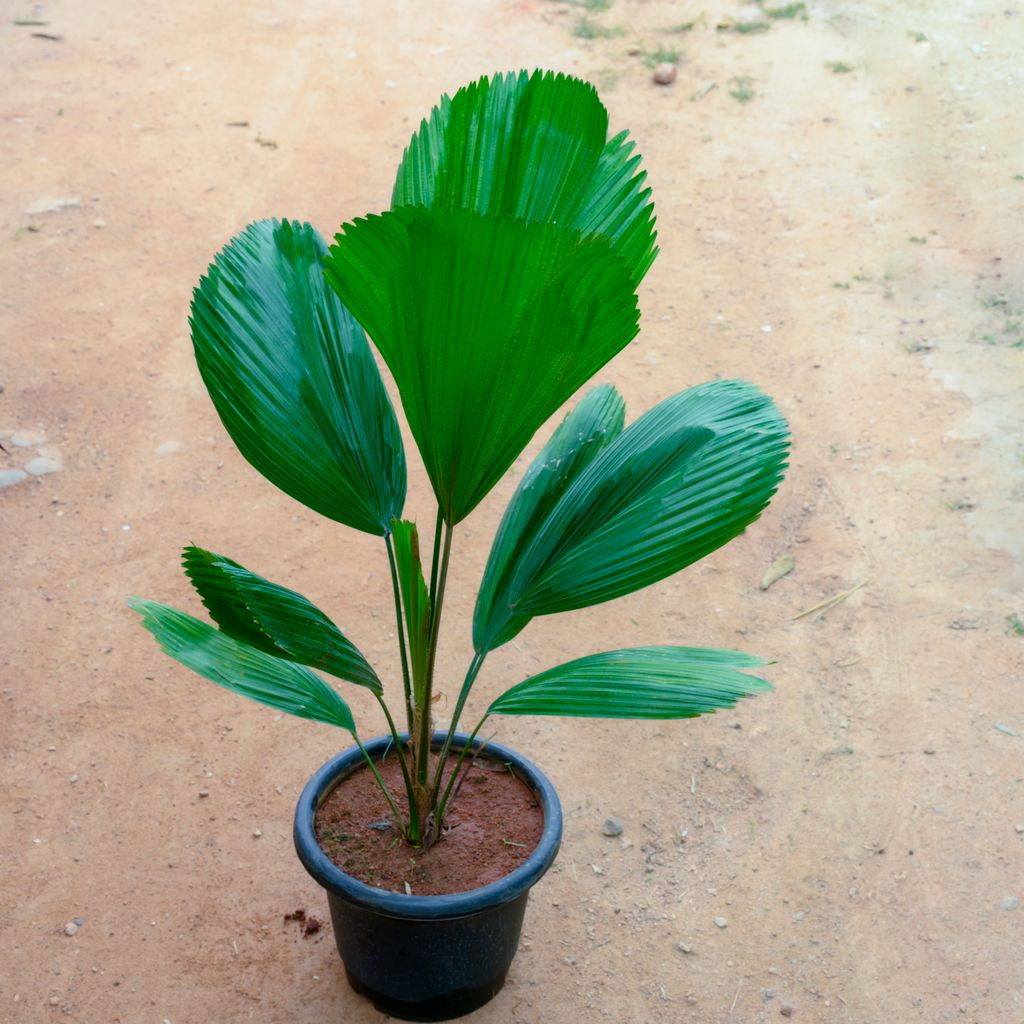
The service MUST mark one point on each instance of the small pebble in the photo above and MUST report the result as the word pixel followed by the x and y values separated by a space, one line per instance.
pixel 8 477
pixel 169 448
pixel 613 827
pixel 27 438
pixel 54 1001
pixel 74 778
pixel 1019 829
pixel 1010 903
pixel 70 928
pixel 52 205
pixel 203 793
pixel 721 922
pixel 665 74
pixel 786 1010
pixel 684 947
pixel 256 833
pixel 41 466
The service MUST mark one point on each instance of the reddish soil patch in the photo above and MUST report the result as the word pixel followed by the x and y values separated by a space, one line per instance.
pixel 492 827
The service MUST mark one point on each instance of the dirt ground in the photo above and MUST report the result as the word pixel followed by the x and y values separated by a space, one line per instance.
pixel 840 202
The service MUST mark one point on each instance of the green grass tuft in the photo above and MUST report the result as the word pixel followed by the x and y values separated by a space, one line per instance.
pixel 787 11
pixel 838 67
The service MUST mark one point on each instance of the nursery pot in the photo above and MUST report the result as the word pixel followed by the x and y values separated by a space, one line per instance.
pixel 426 958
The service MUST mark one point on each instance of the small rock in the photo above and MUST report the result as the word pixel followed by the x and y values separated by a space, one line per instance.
pixel 203 793
pixel 721 922
pixel 54 1001
pixel 381 825
pixel 169 448
pixel 70 928
pixel 27 438
pixel 1010 903
pixel 52 205
pixel 684 947
pixel 1019 829
pixel 786 1010
pixel 42 465
pixel 9 477
pixel 613 827
pixel 74 778
pixel 798 916
pixel 665 74
pixel 256 833
pixel 98 222
pixel 782 566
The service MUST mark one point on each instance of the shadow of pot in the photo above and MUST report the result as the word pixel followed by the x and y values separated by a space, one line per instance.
pixel 426 958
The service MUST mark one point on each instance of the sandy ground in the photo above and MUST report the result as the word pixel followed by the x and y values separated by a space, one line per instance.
pixel 851 240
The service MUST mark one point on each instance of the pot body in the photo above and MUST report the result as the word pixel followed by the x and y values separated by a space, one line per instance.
pixel 426 958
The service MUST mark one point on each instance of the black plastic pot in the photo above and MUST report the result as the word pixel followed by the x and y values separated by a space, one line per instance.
pixel 426 958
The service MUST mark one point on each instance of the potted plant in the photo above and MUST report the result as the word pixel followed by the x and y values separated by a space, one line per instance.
pixel 501 279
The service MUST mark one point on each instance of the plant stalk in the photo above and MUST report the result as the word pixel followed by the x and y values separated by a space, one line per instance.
pixel 380 782
pixel 401 632
pixel 471 674
pixel 443 805
pixel 414 818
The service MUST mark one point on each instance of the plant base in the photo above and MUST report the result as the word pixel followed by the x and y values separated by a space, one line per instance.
pixel 426 958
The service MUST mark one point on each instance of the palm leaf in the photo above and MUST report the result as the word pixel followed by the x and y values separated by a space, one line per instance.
pixel 293 379
pixel 595 421
pixel 243 669
pixel 681 481
pixel 532 146
pixel 641 682
pixel 487 324
pixel 274 619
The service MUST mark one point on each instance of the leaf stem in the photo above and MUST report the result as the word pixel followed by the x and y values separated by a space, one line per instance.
pixel 414 822
pixel 471 674
pixel 380 782
pixel 442 806
pixel 423 740
pixel 438 524
pixel 401 629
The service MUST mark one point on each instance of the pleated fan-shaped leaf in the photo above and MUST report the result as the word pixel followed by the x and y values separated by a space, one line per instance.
pixel 596 420
pixel 533 146
pixel 641 682
pixel 487 324
pixel 681 481
pixel 242 669
pixel 293 378
pixel 273 618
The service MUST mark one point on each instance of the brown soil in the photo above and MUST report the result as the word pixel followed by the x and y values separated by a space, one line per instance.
pixel 492 827
pixel 850 240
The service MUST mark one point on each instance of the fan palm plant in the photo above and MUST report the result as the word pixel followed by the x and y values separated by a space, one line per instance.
pixel 502 278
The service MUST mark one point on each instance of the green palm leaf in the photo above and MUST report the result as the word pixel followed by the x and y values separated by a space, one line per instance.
pixel 532 146
pixel 294 380
pixel 642 682
pixel 274 619
pixel 595 421
pixel 238 667
pixel 681 481
pixel 487 324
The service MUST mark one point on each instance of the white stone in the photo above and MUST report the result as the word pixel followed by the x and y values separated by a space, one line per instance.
pixel 27 438
pixel 42 465
pixel 12 476
pixel 52 205
pixel 169 448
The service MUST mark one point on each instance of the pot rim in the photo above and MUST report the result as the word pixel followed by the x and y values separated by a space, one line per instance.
pixel 424 908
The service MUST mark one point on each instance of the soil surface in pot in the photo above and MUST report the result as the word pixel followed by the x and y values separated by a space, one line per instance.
pixel 491 828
